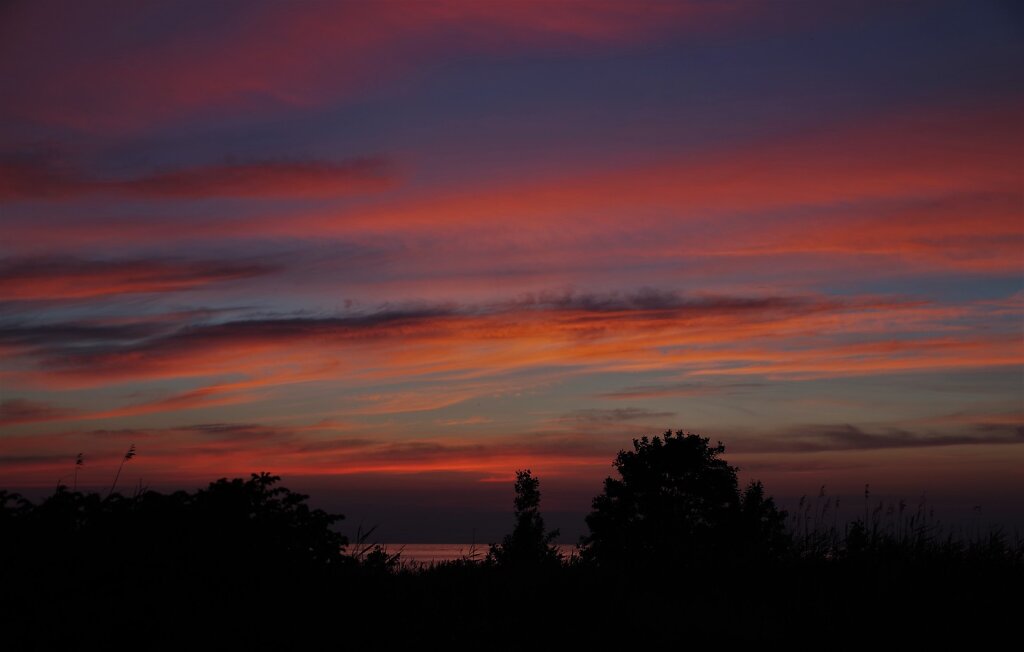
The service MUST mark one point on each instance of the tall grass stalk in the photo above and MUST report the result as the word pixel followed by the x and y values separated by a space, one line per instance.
pixel 127 456
pixel 79 463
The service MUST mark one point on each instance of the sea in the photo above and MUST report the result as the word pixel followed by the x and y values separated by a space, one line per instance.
pixel 433 553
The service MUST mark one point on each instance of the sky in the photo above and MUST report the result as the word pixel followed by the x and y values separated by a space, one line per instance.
pixel 395 251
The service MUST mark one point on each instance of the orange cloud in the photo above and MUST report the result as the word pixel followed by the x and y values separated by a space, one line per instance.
pixel 969 232
pixel 500 336
pixel 203 450
pixel 443 356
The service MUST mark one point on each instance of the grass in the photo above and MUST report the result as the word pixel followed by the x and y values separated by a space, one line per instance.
pixel 891 529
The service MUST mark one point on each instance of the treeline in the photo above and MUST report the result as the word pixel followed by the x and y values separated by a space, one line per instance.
pixel 677 553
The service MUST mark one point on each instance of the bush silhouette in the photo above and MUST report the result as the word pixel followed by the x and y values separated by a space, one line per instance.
pixel 229 528
pixel 269 522
pixel 244 563
pixel 528 544
pixel 677 504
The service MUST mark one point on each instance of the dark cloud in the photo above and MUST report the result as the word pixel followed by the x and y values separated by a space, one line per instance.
pixel 315 448
pixel 76 278
pixel 85 345
pixel 38 173
pixel 849 438
pixel 13 411
pixel 291 438
pixel 120 434
pixel 237 431
pixel 34 460
pixel 103 348
pixel 648 300
pixel 376 324
pixel 43 176
pixel 48 337
pixel 679 389
pixel 402 452
pixel 335 444
pixel 264 179
pixel 615 415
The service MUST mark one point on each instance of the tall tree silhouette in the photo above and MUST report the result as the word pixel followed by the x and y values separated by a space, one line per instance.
pixel 529 543
pixel 676 504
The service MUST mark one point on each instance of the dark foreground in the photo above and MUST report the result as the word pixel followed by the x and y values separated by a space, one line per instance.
pixel 246 563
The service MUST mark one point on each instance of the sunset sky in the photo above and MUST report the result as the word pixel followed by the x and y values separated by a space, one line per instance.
pixel 395 251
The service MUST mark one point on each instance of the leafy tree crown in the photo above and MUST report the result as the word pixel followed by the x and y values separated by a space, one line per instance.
pixel 678 502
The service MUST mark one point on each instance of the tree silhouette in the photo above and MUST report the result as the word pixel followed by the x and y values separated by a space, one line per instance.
pixel 254 518
pixel 677 504
pixel 528 544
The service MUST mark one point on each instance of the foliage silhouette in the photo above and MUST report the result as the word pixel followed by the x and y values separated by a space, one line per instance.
pixel 271 521
pixel 677 504
pixel 529 544
pixel 206 556
pixel 247 563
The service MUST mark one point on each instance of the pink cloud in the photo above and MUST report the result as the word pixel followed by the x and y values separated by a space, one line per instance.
pixel 76 67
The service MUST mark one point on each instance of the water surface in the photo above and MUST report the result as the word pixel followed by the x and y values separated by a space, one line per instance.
pixel 426 553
